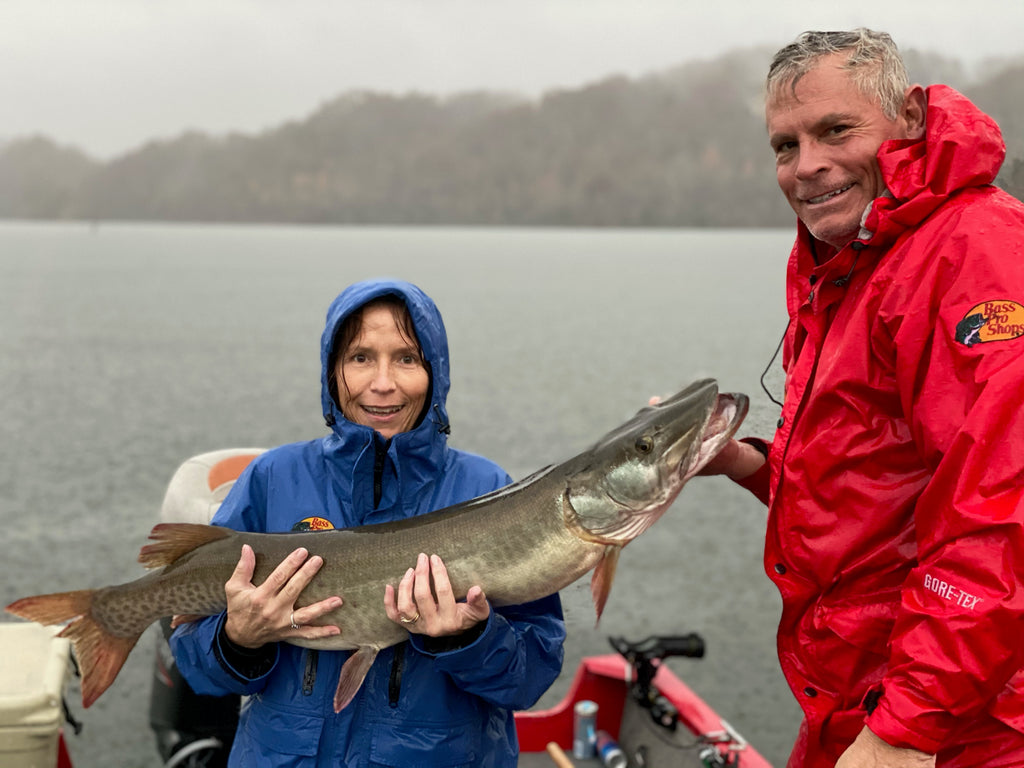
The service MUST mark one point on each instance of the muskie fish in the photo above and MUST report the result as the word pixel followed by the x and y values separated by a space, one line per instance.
pixel 521 543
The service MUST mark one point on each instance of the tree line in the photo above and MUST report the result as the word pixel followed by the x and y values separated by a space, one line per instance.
pixel 682 147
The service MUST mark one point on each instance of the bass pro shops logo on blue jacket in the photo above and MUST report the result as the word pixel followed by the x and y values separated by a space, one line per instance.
pixel 313 524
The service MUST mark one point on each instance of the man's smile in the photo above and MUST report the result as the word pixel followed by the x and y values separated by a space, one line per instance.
pixel 826 196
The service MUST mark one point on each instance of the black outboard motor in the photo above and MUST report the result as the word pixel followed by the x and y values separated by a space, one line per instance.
pixel 192 730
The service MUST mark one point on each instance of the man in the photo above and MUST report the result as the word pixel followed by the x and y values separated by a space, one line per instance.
pixel 895 480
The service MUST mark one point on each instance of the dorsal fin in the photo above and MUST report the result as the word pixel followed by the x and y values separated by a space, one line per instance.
pixel 173 540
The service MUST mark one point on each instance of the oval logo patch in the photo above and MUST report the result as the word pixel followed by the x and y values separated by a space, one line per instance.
pixel 991 321
pixel 313 524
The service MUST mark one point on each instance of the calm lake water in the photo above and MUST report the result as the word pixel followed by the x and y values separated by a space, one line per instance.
pixel 125 349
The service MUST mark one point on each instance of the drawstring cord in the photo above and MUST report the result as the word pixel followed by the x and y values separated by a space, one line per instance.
pixel 442 425
pixel 768 367
pixel 839 282
pixel 857 247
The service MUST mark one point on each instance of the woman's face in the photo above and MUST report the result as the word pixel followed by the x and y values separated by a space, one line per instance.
pixel 382 381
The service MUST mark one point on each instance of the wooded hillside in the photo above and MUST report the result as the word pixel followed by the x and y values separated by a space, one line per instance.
pixel 684 147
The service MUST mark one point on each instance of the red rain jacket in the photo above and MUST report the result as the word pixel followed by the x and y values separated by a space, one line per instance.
pixel 896 488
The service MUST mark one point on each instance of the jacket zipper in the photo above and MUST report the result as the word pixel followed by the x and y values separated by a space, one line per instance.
pixel 380 450
pixel 395 681
pixel 309 675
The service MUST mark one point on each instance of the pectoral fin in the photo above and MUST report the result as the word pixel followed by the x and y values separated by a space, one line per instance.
pixel 601 581
pixel 352 675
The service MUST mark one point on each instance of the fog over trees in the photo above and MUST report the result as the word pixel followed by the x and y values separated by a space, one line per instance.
pixel 681 147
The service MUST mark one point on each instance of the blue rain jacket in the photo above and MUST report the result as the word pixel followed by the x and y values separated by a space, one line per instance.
pixel 416 707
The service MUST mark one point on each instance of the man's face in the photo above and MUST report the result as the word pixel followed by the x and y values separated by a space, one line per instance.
pixel 826 136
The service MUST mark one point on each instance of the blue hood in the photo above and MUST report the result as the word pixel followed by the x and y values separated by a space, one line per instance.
pixel 432 336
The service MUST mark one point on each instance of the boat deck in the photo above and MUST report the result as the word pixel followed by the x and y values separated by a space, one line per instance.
pixel 700 739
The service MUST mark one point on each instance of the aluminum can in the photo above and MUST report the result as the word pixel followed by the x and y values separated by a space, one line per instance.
pixel 610 752
pixel 584 729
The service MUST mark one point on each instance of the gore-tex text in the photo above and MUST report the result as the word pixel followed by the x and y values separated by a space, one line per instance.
pixel 951 592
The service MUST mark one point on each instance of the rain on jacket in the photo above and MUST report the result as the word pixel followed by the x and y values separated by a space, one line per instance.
pixel 896 475
pixel 419 705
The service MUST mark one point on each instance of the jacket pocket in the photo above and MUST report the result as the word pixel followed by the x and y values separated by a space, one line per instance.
pixel 275 735
pixel 456 744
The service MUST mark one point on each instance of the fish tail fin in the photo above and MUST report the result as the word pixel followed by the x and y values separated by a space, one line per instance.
pixel 100 654
pixel 601 581
pixel 173 540
pixel 55 608
pixel 353 672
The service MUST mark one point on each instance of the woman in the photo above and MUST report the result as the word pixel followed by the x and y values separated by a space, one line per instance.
pixel 445 697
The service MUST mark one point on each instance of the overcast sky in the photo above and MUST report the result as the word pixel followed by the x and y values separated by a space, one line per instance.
pixel 108 75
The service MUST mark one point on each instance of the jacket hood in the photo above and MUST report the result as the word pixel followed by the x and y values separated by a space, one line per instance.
pixel 430 331
pixel 962 148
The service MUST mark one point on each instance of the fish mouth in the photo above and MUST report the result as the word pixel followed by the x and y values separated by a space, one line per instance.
pixel 818 199
pixel 725 418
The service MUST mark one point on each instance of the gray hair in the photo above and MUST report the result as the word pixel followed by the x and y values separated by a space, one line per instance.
pixel 873 61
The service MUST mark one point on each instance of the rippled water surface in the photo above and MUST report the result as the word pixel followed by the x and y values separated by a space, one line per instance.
pixel 125 349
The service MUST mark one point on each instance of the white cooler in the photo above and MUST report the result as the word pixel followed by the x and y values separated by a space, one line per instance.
pixel 34 666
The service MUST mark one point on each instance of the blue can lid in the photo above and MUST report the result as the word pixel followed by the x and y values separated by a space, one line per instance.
pixel 586 707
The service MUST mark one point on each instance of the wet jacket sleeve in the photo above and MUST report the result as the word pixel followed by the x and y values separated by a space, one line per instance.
pixel 957 639
pixel 208 661
pixel 513 660
pixel 758 482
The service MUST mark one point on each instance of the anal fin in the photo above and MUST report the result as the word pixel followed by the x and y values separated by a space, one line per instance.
pixel 601 581
pixel 352 675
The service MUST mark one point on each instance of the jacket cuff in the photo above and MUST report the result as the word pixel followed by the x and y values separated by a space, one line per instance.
pixel 903 720
pixel 757 483
pixel 435 646
pixel 243 664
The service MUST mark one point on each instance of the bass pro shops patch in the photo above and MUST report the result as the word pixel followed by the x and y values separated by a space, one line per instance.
pixel 313 524
pixel 991 321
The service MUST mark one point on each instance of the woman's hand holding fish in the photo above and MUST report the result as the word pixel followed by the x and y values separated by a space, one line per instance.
pixel 432 609
pixel 267 613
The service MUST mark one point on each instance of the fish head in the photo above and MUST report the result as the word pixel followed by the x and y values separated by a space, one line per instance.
pixel 630 477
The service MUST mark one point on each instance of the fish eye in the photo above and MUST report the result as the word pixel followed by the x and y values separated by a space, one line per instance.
pixel 644 444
